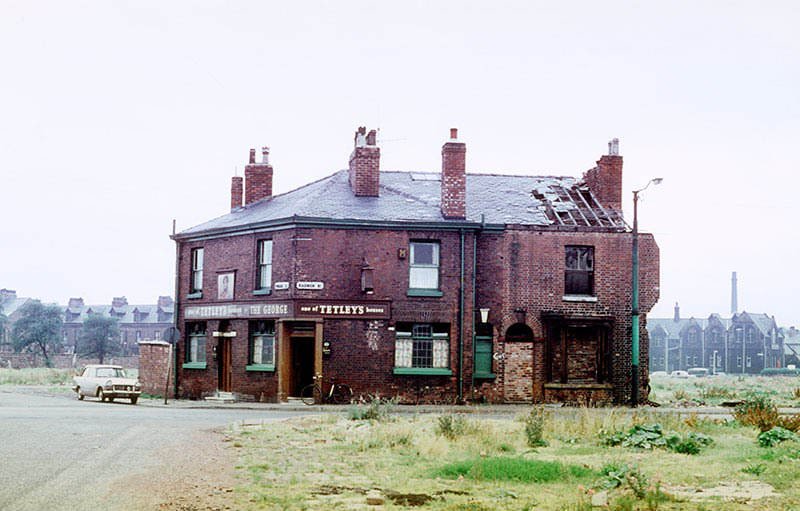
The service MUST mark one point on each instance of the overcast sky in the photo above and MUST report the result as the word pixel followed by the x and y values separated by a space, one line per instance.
pixel 116 117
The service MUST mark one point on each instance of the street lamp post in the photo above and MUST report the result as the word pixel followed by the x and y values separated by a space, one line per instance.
pixel 635 296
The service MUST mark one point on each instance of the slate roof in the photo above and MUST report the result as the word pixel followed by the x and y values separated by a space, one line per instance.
pixel 763 322
pixel 11 306
pixel 127 313
pixel 415 197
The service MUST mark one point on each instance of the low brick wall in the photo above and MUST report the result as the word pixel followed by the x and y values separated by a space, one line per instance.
pixel 579 394
pixel 27 360
pixel 154 358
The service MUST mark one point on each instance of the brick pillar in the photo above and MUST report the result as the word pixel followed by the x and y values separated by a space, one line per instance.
pixel 454 179
pixel 237 190
pixel 365 162
pixel 258 178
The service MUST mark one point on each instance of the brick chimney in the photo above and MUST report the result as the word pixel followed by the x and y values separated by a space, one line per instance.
pixel 365 163
pixel 75 303
pixel 165 302
pixel 237 191
pixel 119 301
pixel 605 180
pixel 677 315
pixel 454 179
pixel 257 178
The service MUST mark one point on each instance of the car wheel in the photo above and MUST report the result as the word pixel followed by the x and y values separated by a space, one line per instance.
pixel 134 400
pixel 101 395
pixel 80 394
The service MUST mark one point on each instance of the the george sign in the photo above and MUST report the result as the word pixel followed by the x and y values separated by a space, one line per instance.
pixel 249 310
pixel 280 286
pixel 314 286
pixel 344 309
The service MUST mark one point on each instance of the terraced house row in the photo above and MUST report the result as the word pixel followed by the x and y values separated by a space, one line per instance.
pixel 423 286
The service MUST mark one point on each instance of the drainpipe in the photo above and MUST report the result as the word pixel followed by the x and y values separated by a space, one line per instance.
pixel 461 324
pixel 474 301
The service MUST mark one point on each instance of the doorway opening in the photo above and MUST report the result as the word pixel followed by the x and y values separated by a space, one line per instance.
pixel 302 364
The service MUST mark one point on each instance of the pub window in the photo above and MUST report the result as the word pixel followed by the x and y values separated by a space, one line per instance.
pixel 579 270
pixel 197 270
pixel 424 267
pixel 264 265
pixel 422 345
pixel 262 343
pixel 196 345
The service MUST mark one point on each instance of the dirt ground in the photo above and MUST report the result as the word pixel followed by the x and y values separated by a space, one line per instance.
pixel 201 477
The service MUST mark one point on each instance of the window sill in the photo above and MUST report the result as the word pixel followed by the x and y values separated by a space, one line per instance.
pixel 195 295
pixel 265 291
pixel 263 368
pixel 425 292
pixel 579 298
pixel 423 371
pixel 194 365
pixel 484 376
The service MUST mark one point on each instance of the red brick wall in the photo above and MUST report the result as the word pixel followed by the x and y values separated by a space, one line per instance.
pixel 362 350
pixel 527 271
pixel 153 365
pixel 520 268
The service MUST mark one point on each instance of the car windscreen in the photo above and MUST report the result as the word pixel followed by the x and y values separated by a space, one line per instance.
pixel 110 372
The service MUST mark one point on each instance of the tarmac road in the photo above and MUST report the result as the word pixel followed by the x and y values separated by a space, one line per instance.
pixel 58 453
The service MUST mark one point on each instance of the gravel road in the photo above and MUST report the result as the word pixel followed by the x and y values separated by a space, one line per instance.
pixel 59 453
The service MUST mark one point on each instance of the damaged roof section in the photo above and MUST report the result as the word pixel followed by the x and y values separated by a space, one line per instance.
pixel 572 204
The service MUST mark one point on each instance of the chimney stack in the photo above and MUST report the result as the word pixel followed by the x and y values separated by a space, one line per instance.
pixel 454 179
pixel 257 179
pixel 237 190
pixel 677 313
pixel 605 180
pixel 734 294
pixel 365 162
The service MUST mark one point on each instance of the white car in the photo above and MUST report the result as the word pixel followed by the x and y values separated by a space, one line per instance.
pixel 680 374
pixel 107 382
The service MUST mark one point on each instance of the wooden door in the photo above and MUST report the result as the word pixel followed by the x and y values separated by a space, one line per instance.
pixel 224 365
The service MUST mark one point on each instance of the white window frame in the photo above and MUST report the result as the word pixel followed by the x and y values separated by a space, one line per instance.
pixel 419 274
pixel 264 265
pixel 258 338
pixel 196 283
pixel 408 341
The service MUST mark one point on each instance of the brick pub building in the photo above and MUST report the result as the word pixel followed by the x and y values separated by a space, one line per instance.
pixel 420 286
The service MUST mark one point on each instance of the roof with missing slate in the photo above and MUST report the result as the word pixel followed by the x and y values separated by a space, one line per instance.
pixel 415 197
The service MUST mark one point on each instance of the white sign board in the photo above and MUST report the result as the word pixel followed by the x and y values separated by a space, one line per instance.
pixel 310 285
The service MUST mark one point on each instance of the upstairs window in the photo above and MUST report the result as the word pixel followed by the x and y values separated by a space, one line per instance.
pixel 197 271
pixel 424 267
pixel 264 265
pixel 579 271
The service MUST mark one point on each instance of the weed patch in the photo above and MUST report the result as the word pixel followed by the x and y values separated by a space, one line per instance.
pixel 534 427
pixel 775 436
pixel 451 426
pixel 513 469
pixel 758 411
pixel 652 436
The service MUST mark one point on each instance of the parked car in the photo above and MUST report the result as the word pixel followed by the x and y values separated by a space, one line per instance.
pixel 679 374
pixel 107 382
pixel 700 372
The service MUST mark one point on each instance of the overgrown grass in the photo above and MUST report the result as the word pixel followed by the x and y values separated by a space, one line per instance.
pixel 514 469
pixel 36 376
pixel 715 390
pixel 331 462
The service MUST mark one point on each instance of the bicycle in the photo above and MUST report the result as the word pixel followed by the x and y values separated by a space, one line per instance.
pixel 338 393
